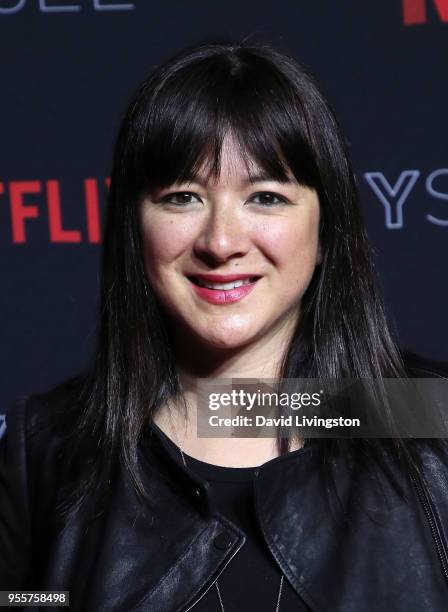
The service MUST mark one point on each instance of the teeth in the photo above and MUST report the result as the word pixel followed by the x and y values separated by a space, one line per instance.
pixel 224 286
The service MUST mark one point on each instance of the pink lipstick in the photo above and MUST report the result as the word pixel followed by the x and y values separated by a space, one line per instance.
pixel 219 294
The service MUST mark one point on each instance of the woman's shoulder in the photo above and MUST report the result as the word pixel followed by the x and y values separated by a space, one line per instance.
pixel 37 426
pixel 32 464
pixel 40 416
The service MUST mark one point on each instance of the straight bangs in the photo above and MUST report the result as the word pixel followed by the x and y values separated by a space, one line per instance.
pixel 192 108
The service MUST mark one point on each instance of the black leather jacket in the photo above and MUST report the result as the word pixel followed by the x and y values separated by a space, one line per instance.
pixel 391 556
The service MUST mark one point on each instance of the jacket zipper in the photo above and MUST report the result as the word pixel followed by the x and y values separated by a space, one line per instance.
pixel 426 502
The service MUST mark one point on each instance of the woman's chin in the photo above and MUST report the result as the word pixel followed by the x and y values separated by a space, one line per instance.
pixel 224 333
pixel 226 340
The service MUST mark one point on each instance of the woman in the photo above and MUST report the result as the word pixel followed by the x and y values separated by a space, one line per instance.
pixel 234 248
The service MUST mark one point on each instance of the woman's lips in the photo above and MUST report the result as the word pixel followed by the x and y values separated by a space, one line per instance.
pixel 223 296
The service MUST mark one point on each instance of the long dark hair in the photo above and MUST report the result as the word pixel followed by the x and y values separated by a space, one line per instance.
pixel 178 119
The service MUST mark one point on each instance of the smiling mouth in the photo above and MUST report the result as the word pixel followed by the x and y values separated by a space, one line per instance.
pixel 223 286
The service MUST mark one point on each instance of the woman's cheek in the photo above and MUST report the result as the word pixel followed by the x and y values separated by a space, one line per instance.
pixel 165 240
pixel 270 237
pixel 281 241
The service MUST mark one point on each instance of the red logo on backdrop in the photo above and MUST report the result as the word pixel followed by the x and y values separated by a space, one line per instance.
pixel 22 212
pixel 415 11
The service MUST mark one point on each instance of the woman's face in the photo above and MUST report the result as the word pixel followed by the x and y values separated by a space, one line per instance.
pixel 199 233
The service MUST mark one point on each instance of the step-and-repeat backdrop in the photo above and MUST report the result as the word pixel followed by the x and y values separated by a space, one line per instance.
pixel 68 69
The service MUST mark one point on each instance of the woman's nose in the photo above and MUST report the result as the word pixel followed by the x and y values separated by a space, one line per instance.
pixel 223 234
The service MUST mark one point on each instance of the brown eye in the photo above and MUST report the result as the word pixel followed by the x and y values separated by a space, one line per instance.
pixel 267 198
pixel 181 198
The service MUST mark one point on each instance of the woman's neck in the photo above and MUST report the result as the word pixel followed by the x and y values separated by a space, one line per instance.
pixel 261 360
pixel 227 452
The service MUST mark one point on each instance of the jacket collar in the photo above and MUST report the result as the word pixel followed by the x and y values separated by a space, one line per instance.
pixel 331 564
pixel 196 488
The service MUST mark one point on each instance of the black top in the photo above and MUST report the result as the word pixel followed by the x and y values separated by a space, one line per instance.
pixel 251 581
